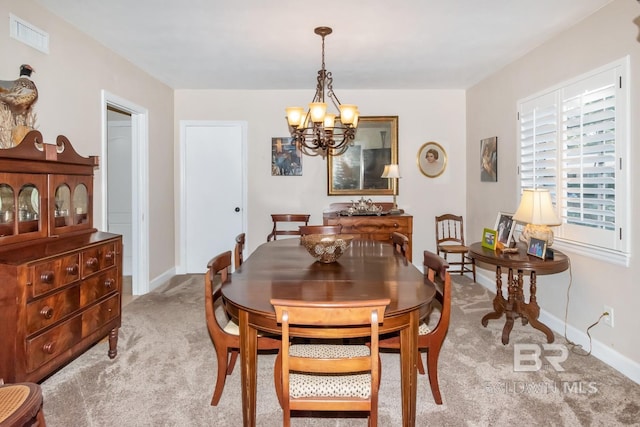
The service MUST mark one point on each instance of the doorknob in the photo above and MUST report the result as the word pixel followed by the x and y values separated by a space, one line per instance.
pixel 237 209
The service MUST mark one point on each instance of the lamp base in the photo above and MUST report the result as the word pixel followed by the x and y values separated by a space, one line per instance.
pixel 542 232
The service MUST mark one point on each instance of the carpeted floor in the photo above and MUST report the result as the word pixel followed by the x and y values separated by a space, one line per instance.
pixel 165 372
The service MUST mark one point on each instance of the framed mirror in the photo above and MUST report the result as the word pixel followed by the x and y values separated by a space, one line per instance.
pixel 357 171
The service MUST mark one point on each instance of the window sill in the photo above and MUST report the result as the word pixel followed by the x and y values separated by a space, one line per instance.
pixel 601 254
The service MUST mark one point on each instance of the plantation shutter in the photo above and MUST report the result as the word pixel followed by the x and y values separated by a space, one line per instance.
pixel 589 152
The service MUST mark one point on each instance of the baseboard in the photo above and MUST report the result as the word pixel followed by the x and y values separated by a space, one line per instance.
pixel 606 354
pixel 162 279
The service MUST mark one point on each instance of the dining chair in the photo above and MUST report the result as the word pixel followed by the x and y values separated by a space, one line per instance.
pixel 21 405
pixel 224 332
pixel 400 244
pixel 281 220
pixel 436 271
pixel 450 240
pixel 320 229
pixel 325 376
pixel 238 251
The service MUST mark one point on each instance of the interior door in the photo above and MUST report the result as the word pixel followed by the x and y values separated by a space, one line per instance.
pixel 213 190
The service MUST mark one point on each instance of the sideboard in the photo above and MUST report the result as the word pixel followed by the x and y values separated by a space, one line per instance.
pixel 60 278
pixel 372 227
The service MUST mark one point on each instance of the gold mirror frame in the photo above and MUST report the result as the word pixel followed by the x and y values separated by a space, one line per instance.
pixel 357 172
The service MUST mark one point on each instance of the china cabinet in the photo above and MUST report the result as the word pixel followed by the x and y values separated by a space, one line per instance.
pixel 61 279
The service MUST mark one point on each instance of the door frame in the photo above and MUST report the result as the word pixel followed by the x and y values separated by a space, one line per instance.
pixel 182 230
pixel 140 181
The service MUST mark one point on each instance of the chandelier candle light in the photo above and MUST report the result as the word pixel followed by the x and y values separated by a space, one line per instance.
pixel 318 132
pixel 536 210
pixel 392 172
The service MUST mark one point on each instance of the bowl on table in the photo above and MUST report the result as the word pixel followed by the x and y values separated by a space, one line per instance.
pixel 326 248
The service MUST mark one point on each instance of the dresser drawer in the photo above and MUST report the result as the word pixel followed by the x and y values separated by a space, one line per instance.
pixel 97 258
pixel 98 286
pixel 47 311
pixel 50 344
pixel 97 316
pixel 55 273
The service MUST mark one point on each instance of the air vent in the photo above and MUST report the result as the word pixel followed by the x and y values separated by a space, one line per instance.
pixel 28 34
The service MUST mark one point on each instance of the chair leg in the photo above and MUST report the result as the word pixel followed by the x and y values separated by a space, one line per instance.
pixel 420 365
pixel 432 367
pixel 232 360
pixel 221 354
pixel 473 266
pixel 277 378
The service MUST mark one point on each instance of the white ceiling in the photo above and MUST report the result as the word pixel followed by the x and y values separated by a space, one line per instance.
pixel 376 44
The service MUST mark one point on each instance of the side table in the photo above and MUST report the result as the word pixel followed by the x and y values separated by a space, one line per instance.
pixel 515 305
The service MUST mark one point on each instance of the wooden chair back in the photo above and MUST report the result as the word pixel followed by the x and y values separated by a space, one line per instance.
pixel 238 251
pixel 222 330
pixel 330 320
pixel 400 244
pixel 320 229
pixel 279 219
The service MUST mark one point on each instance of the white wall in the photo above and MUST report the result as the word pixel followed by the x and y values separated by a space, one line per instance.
pixel 606 36
pixel 437 115
pixel 69 80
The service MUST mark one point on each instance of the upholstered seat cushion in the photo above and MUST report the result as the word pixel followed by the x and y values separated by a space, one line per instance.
pixel 423 329
pixel 353 385
pixel 11 398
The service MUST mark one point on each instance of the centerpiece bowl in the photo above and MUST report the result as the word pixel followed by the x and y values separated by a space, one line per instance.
pixel 326 248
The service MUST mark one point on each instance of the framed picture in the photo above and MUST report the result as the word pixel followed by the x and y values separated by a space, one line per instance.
pixel 504 226
pixel 358 171
pixel 537 247
pixel 432 159
pixel 489 238
pixel 518 228
pixel 286 159
pixel 489 159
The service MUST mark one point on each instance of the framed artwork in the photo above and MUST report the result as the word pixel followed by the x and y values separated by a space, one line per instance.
pixel 432 159
pixel 489 159
pixel 537 247
pixel 286 159
pixel 358 170
pixel 504 226
pixel 489 238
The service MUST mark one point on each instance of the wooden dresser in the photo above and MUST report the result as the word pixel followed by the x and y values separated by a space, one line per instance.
pixel 371 227
pixel 60 279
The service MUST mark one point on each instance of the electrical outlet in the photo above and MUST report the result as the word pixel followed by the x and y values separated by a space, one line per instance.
pixel 608 319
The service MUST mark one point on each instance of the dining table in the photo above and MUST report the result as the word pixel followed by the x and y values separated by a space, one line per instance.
pixel 366 270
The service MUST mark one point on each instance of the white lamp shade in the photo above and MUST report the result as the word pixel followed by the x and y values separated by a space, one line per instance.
pixel 317 111
pixel 295 116
pixel 536 208
pixel 347 113
pixel 391 171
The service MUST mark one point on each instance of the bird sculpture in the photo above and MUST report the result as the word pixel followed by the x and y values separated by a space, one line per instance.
pixel 16 102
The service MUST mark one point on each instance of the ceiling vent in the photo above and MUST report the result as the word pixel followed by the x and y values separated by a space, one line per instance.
pixel 28 34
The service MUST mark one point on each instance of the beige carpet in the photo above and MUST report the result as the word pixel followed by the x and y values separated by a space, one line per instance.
pixel 165 372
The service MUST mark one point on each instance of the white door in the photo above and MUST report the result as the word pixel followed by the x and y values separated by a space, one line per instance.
pixel 213 192
pixel 120 185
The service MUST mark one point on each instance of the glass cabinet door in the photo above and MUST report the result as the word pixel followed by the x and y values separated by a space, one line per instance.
pixel 62 206
pixel 7 209
pixel 71 203
pixel 21 212
pixel 81 204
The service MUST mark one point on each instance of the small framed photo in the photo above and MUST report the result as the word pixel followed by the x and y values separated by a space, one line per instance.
pixel 518 228
pixel 537 247
pixel 505 226
pixel 489 238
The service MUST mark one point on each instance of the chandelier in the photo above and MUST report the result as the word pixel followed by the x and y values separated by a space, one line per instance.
pixel 316 131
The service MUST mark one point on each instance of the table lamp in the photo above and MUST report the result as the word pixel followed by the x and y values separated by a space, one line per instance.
pixel 392 172
pixel 536 210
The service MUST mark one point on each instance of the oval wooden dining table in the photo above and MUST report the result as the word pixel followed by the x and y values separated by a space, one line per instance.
pixel 367 270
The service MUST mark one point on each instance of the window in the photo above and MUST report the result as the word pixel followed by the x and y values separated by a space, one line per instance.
pixel 574 142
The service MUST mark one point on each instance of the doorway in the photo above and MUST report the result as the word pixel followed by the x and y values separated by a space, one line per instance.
pixel 131 222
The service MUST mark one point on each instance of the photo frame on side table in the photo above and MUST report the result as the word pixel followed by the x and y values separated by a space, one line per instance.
pixel 505 226
pixel 489 238
pixel 537 247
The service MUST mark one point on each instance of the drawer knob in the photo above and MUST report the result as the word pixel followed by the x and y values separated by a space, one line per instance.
pixel 47 277
pixel 92 262
pixel 49 347
pixel 72 269
pixel 395 225
pixel 47 312
pixel 109 255
pixel 109 283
